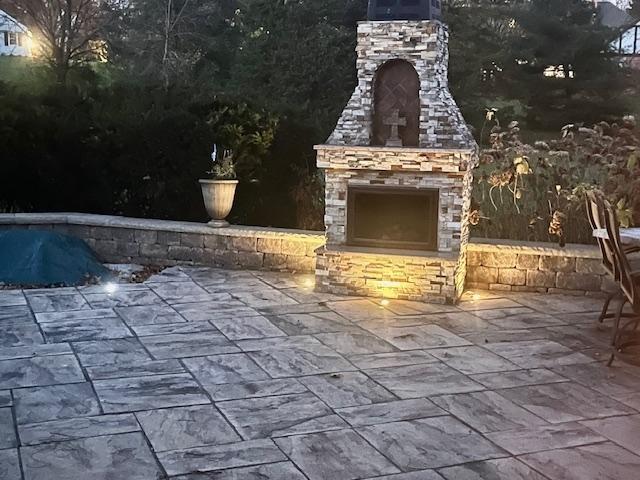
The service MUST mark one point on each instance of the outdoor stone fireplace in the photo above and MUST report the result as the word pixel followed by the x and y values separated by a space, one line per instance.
pixel 398 171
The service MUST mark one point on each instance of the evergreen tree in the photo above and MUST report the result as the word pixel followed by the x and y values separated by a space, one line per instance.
pixel 543 62
pixel 297 57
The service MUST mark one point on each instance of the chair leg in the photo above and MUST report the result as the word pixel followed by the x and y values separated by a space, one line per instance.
pixel 625 340
pixel 605 308
pixel 616 328
pixel 618 319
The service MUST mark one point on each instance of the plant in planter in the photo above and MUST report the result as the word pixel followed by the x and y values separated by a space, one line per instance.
pixel 219 191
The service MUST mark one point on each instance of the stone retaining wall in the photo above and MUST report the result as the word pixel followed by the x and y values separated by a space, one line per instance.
pixel 491 264
pixel 536 267
pixel 164 243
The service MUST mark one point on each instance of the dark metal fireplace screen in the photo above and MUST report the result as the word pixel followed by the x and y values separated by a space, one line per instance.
pixel 400 218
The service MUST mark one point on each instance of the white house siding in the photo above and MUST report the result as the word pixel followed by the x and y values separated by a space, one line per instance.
pixel 14 37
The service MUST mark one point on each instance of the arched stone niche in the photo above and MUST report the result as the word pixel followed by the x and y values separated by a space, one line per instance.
pixel 396 102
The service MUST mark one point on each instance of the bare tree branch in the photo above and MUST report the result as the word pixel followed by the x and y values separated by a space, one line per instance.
pixel 65 30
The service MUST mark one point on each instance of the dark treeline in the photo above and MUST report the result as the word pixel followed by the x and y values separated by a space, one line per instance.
pixel 267 78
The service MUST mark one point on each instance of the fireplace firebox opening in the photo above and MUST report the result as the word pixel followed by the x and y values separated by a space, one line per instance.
pixel 395 218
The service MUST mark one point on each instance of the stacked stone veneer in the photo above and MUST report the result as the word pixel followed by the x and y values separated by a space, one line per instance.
pixel 536 267
pixel 447 171
pixel 393 159
pixel 424 45
pixel 444 161
pixel 434 279
pixel 165 243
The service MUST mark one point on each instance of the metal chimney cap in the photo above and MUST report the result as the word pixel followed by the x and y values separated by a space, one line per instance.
pixel 388 10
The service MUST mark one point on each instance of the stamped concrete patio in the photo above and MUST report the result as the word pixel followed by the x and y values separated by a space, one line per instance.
pixel 210 374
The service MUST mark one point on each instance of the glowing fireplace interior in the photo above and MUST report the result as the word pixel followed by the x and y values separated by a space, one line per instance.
pixel 400 218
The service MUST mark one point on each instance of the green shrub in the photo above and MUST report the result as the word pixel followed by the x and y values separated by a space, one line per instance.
pixel 125 150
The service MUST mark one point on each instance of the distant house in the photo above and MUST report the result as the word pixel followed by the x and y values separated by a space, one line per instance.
pixel 15 38
pixel 627 42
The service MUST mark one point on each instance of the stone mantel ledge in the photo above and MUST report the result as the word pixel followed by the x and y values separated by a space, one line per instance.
pixel 534 248
pixel 92 220
pixel 426 151
pixel 347 157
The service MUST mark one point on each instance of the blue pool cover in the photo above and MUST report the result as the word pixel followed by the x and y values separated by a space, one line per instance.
pixel 41 258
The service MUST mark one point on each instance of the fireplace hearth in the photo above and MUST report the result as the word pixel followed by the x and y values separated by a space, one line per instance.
pixel 394 218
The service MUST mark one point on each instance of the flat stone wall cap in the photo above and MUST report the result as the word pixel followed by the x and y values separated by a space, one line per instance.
pixel 533 248
pixel 365 148
pixel 7 218
pixel 33 218
pixel 158 225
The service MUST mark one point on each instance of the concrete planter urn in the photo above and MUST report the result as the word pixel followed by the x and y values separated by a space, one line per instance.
pixel 218 198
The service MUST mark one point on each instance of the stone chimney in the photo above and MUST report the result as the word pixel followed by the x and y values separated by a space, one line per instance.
pixel 424 45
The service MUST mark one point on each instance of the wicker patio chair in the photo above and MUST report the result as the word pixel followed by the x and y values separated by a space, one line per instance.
pixel 624 335
pixel 596 215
